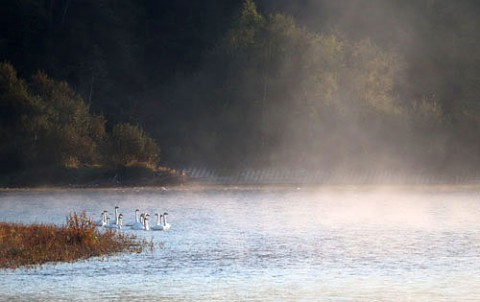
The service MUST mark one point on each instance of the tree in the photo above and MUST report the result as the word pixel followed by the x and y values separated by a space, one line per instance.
pixel 64 122
pixel 17 105
pixel 246 28
pixel 129 144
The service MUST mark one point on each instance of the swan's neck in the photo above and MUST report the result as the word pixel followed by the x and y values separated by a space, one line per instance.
pixel 116 216
pixel 136 216
pixel 164 219
pixel 158 219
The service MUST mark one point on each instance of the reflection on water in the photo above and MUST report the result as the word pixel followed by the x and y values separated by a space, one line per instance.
pixel 263 244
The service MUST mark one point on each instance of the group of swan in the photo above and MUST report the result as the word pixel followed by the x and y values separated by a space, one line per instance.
pixel 140 223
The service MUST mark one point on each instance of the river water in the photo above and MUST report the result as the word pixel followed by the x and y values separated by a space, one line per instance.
pixel 265 244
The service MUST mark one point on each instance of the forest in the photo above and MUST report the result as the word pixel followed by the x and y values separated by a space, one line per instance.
pixel 318 85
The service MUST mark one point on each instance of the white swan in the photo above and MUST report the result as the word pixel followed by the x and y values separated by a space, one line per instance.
pixel 115 226
pixel 166 226
pixel 140 224
pixel 159 226
pixel 103 219
pixel 145 222
pixel 120 221
pixel 131 223
pixel 116 215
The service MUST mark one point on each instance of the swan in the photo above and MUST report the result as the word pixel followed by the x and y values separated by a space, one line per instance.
pixel 132 223
pixel 116 215
pixel 145 222
pixel 166 226
pixel 115 226
pixel 139 225
pixel 159 226
pixel 120 218
pixel 103 219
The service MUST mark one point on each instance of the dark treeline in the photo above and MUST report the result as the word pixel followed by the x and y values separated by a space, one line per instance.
pixel 46 128
pixel 313 84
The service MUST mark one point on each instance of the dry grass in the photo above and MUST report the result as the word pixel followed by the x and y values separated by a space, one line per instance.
pixel 30 245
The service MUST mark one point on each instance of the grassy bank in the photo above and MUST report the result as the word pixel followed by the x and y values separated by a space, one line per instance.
pixel 30 245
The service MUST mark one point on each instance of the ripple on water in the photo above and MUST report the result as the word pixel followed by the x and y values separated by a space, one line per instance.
pixel 265 245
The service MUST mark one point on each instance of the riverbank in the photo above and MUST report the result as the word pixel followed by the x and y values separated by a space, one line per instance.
pixel 94 177
pixel 193 186
pixel 32 245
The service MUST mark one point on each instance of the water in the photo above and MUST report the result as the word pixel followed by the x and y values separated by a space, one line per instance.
pixel 265 244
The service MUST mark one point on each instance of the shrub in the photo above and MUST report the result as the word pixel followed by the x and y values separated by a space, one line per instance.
pixel 27 245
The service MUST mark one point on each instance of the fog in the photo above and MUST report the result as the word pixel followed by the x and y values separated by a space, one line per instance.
pixel 345 88
pixel 340 90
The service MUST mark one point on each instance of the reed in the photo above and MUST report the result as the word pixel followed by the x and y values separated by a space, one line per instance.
pixel 31 245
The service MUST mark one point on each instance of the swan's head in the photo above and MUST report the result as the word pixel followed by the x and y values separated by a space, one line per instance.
pixel 165 213
pixel 116 207
pixel 137 210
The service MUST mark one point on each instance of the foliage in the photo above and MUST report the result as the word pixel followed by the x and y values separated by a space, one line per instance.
pixel 46 127
pixel 15 105
pixel 246 29
pixel 285 92
pixel 242 83
pixel 29 245
pixel 129 144
pixel 64 122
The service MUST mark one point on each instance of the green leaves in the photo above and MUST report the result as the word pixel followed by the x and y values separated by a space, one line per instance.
pixel 64 121
pixel 129 144
pixel 47 125
pixel 246 27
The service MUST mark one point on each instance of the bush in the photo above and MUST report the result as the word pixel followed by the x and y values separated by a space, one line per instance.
pixel 128 144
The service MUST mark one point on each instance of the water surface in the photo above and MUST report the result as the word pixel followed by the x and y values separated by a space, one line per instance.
pixel 265 244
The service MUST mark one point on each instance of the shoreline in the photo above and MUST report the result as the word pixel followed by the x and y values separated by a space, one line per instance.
pixel 189 186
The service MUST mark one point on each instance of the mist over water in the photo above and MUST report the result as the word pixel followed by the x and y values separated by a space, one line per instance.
pixel 312 177
pixel 270 99
pixel 266 244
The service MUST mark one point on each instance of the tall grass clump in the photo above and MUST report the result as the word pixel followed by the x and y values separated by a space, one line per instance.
pixel 29 245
